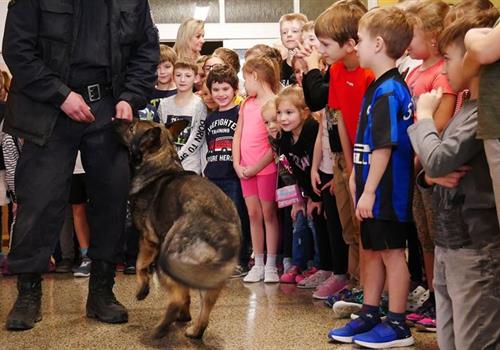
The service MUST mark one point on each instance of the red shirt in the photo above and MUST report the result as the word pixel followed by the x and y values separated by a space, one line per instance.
pixel 346 92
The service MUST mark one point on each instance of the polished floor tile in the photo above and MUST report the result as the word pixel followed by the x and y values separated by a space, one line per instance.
pixel 254 316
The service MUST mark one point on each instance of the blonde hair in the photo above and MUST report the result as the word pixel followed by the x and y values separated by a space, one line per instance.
pixel 308 27
pixel 270 105
pixel 186 31
pixel 289 17
pixel 294 95
pixel 392 25
pixel 469 8
pixel 167 54
pixel 4 84
pixel 428 15
pixel 340 21
pixel 267 70
pixel 186 65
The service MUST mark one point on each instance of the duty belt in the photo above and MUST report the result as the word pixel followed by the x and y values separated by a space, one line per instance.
pixel 94 92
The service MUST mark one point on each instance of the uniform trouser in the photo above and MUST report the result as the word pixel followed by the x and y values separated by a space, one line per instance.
pixel 467 289
pixel 43 181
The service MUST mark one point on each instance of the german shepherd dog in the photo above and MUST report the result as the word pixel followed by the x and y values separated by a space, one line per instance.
pixel 188 226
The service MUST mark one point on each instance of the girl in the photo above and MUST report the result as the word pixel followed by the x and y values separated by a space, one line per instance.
pixel 299 132
pixel 253 163
pixel 190 39
pixel 428 16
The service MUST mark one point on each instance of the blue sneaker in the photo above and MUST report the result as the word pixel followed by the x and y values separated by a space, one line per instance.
pixel 358 326
pixel 385 335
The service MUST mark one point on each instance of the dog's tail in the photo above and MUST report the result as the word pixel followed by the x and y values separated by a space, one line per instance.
pixel 199 258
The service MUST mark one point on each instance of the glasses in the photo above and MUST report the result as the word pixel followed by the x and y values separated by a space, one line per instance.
pixel 207 68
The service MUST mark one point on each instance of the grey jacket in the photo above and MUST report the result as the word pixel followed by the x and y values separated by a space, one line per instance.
pixel 466 215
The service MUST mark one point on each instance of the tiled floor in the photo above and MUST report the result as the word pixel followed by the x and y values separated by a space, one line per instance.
pixel 253 316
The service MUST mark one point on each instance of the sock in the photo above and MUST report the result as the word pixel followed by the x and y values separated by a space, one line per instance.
pixel 370 309
pixel 259 259
pixel 396 317
pixel 84 251
pixel 271 260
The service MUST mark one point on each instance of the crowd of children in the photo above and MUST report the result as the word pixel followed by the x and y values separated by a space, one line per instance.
pixel 363 133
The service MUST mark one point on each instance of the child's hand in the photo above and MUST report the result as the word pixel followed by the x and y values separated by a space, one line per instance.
pixel 364 210
pixel 240 171
pixel 296 208
pixel 313 59
pixel 313 206
pixel 428 103
pixel 450 180
pixel 315 181
pixel 250 171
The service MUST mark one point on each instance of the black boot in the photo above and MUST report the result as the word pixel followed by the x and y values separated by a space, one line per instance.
pixel 27 308
pixel 101 302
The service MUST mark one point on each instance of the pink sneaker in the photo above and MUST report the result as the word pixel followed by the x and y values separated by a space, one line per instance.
pixel 331 286
pixel 299 278
pixel 290 275
pixel 315 280
pixel 310 271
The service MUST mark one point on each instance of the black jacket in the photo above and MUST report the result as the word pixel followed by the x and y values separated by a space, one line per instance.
pixel 37 46
pixel 315 87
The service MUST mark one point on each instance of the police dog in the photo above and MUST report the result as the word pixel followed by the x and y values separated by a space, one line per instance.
pixel 188 226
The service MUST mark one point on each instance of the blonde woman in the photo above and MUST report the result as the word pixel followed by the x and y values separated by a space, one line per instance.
pixel 190 39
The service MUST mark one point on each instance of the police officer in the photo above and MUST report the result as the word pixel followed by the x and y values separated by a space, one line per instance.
pixel 76 65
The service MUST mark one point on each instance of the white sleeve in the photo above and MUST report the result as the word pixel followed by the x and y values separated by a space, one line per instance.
pixel 190 153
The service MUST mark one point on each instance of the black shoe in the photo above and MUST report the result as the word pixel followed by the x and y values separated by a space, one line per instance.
pixel 64 266
pixel 27 308
pixel 129 270
pixel 101 301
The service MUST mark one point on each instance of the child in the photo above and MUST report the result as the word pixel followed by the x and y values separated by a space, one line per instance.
pixel 291 36
pixel 336 29
pixel 381 181
pixel 428 16
pixel 206 96
pixel 219 133
pixel 467 252
pixel 229 56
pixel 299 68
pixel 185 105
pixel 483 49
pixel 253 163
pixel 298 132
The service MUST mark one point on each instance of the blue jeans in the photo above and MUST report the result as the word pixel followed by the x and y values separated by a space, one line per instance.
pixel 304 242
pixel 232 188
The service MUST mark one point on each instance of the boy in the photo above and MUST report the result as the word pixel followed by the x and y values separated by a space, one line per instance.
pixel 165 85
pixel 467 242
pixel 336 29
pixel 185 105
pixel 291 36
pixel 381 181
pixel 222 82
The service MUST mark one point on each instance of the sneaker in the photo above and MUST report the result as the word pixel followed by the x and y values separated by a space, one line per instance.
pixel 256 274
pixel 129 270
pixel 271 275
pixel 416 299
pixel 64 266
pixel 290 275
pixel 314 280
pixel 310 271
pixel 299 278
pixel 84 269
pixel 287 264
pixel 427 324
pixel 331 286
pixel 427 309
pixel 342 295
pixel 358 326
pixel 387 334
pixel 344 308
pixel 239 271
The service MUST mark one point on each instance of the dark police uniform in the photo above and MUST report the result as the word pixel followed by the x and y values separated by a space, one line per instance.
pixel 106 51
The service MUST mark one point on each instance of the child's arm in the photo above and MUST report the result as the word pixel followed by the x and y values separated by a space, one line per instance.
pixel 482 44
pixel 379 160
pixel 346 144
pixel 261 164
pixel 236 149
pixel 316 159
pixel 440 157
pixel 445 111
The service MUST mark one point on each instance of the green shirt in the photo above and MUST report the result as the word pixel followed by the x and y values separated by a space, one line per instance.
pixel 489 102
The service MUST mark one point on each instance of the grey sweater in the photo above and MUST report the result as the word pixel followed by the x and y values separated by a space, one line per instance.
pixel 466 215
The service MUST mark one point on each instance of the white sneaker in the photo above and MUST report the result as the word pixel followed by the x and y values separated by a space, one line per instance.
pixel 256 274
pixel 271 275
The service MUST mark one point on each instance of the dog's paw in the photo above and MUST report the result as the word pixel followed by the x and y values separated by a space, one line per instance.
pixel 143 292
pixel 194 333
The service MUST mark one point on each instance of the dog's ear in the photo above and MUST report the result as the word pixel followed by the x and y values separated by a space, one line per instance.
pixel 150 141
pixel 176 127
